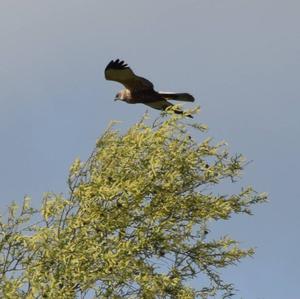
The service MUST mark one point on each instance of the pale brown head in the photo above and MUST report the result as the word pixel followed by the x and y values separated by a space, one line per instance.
pixel 118 97
pixel 122 95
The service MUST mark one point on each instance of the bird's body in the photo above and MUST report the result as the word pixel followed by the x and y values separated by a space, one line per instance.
pixel 139 96
pixel 140 90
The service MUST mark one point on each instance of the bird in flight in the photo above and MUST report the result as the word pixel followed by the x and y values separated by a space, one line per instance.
pixel 140 90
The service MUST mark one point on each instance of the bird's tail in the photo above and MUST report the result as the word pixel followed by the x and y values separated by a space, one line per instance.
pixel 185 97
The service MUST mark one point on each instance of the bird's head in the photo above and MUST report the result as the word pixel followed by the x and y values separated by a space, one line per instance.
pixel 120 96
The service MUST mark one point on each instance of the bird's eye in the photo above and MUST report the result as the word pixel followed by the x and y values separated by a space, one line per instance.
pixel 117 96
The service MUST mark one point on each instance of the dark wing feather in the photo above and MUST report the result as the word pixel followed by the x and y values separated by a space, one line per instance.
pixel 177 96
pixel 118 70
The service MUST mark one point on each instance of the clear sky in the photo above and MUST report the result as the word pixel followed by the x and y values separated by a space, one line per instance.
pixel 239 58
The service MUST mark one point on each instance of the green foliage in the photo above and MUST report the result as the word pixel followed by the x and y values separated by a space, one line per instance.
pixel 134 224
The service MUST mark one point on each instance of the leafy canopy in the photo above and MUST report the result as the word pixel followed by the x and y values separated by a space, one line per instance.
pixel 134 224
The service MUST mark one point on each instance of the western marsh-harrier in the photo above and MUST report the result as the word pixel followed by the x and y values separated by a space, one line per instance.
pixel 141 90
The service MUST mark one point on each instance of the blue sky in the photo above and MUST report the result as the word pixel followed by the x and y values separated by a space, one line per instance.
pixel 240 59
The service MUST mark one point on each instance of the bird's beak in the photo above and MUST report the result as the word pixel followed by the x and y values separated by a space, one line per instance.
pixel 116 99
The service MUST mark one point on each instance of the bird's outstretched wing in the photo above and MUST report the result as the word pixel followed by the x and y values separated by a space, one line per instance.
pixel 118 70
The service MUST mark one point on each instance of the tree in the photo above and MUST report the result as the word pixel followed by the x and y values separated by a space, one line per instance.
pixel 135 221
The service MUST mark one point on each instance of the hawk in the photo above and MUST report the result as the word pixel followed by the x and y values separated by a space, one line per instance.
pixel 140 90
